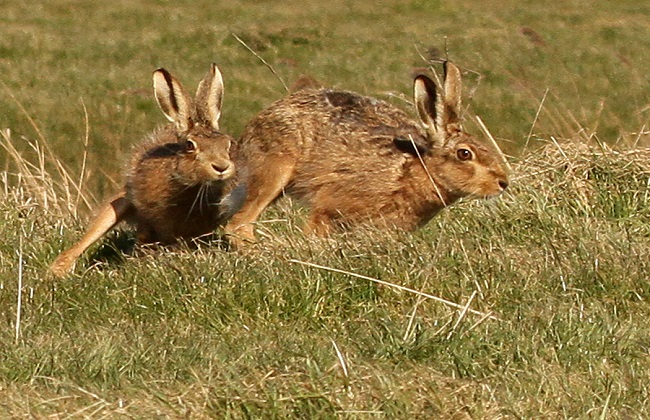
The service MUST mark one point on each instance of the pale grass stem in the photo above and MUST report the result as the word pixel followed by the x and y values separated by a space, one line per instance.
pixel 85 156
pixel 24 111
pixel 426 170
pixel 409 326
pixel 559 148
pixel 532 127
pixel 494 142
pixel 471 269
pixel 462 314
pixel 270 67
pixel 640 134
pixel 97 406
pixel 430 62
pixel 464 308
pixel 39 181
pixel 603 415
pixel 38 131
pixel 477 323
pixel 19 303
pixel 344 365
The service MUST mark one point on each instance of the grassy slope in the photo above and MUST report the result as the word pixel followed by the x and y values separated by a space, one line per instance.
pixel 563 259
pixel 57 55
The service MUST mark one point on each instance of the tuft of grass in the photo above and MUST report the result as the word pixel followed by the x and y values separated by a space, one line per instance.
pixel 561 261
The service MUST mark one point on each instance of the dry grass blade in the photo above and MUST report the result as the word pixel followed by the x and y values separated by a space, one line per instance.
pixel 84 160
pixel 54 193
pixel 426 170
pixel 494 142
pixel 343 364
pixel 20 289
pixel 270 67
pixel 462 314
pixel 532 126
pixel 411 322
pixel 397 286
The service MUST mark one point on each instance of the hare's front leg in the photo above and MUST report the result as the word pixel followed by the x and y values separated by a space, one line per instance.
pixel 113 212
pixel 265 184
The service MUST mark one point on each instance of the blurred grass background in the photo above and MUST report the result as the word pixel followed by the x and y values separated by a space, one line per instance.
pixel 562 259
pixel 586 60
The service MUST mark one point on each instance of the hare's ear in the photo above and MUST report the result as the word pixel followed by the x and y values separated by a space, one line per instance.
pixel 174 102
pixel 425 97
pixel 209 97
pixel 451 104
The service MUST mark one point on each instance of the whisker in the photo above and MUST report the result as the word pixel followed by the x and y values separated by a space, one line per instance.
pixel 197 200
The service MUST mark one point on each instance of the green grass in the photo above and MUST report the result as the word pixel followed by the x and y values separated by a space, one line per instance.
pixel 562 259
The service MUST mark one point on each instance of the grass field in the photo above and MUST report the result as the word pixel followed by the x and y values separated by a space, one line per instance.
pixel 545 289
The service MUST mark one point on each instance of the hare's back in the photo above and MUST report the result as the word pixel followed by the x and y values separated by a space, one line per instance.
pixel 341 141
pixel 349 117
pixel 328 121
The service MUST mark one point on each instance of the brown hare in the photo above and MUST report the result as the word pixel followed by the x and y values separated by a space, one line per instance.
pixel 354 159
pixel 181 182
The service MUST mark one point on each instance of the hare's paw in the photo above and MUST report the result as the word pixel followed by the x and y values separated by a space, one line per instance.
pixel 63 265
pixel 240 237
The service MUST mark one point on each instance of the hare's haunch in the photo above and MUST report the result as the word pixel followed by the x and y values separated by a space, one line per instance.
pixel 181 182
pixel 354 159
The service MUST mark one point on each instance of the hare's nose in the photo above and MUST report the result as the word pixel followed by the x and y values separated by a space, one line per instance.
pixel 503 184
pixel 221 167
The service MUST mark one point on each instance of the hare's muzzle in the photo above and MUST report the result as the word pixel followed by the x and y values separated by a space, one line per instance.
pixel 495 186
pixel 223 170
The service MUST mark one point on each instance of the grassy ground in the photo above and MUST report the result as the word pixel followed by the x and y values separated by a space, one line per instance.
pixel 551 279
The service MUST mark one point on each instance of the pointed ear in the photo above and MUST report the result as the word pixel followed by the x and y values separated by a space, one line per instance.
pixel 209 97
pixel 425 97
pixel 174 102
pixel 450 120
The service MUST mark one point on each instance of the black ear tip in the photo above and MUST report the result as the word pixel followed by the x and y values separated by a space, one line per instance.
pixel 422 80
pixel 421 77
pixel 449 67
pixel 165 74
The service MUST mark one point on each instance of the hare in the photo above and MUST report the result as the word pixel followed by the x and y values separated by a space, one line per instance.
pixel 181 181
pixel 354 159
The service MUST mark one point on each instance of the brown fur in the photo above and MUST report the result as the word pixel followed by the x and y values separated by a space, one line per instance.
pixel 181 182
pixel 354 159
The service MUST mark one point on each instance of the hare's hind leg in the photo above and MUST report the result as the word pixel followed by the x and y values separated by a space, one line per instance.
pixel 327 209
pixel 319 224
pixel 113 212
pixel 264 186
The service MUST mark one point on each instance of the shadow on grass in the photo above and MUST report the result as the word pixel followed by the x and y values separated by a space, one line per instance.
pixel 114 249
pixel 120 244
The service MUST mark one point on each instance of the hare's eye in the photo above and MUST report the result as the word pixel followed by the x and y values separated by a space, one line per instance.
pixel 190 145
pixel 464 154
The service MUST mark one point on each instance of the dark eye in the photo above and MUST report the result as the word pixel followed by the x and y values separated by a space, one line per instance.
pixel 464 154
pixel 190 145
